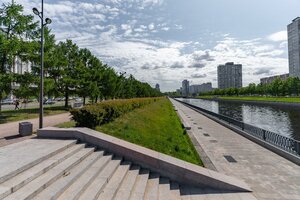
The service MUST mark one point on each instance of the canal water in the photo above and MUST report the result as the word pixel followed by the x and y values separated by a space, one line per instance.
pixel 281 119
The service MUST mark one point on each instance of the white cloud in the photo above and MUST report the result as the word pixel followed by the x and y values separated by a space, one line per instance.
pixel 278 36
pixel 151 26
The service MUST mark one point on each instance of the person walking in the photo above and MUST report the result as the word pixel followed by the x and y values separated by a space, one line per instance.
pixel 17 105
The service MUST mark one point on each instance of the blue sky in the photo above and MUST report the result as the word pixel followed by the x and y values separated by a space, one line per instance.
pixel 166 41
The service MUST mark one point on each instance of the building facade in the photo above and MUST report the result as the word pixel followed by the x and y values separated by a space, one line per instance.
pixel 196 89
pixel 294 47
pixel 268 80
pixel 230 76
pixel 185 88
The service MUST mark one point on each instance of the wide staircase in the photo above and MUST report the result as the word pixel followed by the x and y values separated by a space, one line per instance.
pixel 63 169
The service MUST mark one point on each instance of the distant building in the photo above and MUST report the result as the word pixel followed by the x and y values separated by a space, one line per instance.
pixel 294 47
pixel 205 87
pixel 19 67
pixel 157 87
pixel 185 88
pixel 268 80
pixel 230 76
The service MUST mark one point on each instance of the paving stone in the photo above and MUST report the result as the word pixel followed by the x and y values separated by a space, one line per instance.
pixel 255 163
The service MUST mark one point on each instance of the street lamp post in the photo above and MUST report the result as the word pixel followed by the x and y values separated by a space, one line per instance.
pixel 41 97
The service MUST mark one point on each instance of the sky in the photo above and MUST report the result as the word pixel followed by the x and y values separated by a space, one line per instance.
pixel 167 41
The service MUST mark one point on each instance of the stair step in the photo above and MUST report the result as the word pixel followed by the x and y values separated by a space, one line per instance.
pixel 175 191
pixel 164 189
pixel 79 186
pixel 96 187
pixel 64 182
pixel 140 185
pixel 114 183
pixel 21 179
pixel 151 192
pixel 37 185
pixel 127 185
pixel 29 153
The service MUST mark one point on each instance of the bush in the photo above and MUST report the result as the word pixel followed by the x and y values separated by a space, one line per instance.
pixel 105 112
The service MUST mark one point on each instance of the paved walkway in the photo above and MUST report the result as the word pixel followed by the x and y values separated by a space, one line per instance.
pixel 269 175
pixel 9 131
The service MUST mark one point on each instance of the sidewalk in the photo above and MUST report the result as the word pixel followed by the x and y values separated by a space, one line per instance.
pixel 9 131
pixel 269 175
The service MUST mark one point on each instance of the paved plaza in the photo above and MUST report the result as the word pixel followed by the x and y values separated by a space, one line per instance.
pixel 269 175
pixel 9 131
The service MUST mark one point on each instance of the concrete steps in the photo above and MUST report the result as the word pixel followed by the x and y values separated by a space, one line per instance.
pixel 26 176
pixel 37 185
pixel 75 172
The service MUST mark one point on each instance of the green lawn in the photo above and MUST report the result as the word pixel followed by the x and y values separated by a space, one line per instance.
pixel 156 126
pixel 23 114
pixel 256 98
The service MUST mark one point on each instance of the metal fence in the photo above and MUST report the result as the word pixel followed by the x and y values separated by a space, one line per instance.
pixel 287 144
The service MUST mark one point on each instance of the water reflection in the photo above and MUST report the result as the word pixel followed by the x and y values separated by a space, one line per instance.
pixel 281 119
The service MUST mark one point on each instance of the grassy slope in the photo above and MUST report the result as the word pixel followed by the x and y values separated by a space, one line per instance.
pixel 23 114
pixel 256 98
pixel 157 127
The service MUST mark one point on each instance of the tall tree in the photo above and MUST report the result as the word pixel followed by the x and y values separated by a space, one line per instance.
pixel 16 28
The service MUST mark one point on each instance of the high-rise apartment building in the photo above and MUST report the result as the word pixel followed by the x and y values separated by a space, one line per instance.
pixel 230 76
pixel 268 80
pixel 294 47
pixel 185 88
pixel 205 87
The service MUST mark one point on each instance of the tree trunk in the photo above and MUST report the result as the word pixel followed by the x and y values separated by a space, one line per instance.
pixel 84 101
pixel 96 99
pixel 67 97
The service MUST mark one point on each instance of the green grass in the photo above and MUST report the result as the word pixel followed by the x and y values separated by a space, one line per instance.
pixel 69 124
pixel 155 126
pixel 256 98
pixel 23 114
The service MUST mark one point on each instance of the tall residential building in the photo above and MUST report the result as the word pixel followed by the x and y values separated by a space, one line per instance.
pixel 205 87
pixel 268 80
pixel 294 47
pixel 157 87
pixel 230 76
pixel 185 88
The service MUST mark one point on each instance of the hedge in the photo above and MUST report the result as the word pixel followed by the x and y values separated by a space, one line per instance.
pixel 104 112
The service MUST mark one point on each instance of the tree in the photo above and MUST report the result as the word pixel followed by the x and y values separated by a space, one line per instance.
pixel 25 87
pixel 64 71
pixel 5 86
pixel 15 28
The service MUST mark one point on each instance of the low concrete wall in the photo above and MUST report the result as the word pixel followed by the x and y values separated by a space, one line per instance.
pixel 175 169
pixel 293 158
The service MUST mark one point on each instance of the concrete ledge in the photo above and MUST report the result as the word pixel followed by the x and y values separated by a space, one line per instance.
pixel 175 169
pixel 291 157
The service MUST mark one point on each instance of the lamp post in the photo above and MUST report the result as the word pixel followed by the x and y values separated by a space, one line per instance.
pixel 41 97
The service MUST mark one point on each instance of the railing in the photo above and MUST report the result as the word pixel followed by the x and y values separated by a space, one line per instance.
pixel 287 144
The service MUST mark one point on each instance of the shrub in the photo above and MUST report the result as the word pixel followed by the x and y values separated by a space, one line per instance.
pixel 106 111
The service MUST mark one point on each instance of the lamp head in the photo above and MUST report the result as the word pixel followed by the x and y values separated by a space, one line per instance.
pixel 36 11
pixel 48 21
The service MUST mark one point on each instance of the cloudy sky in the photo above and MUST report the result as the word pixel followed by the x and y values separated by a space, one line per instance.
pixel 166 41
